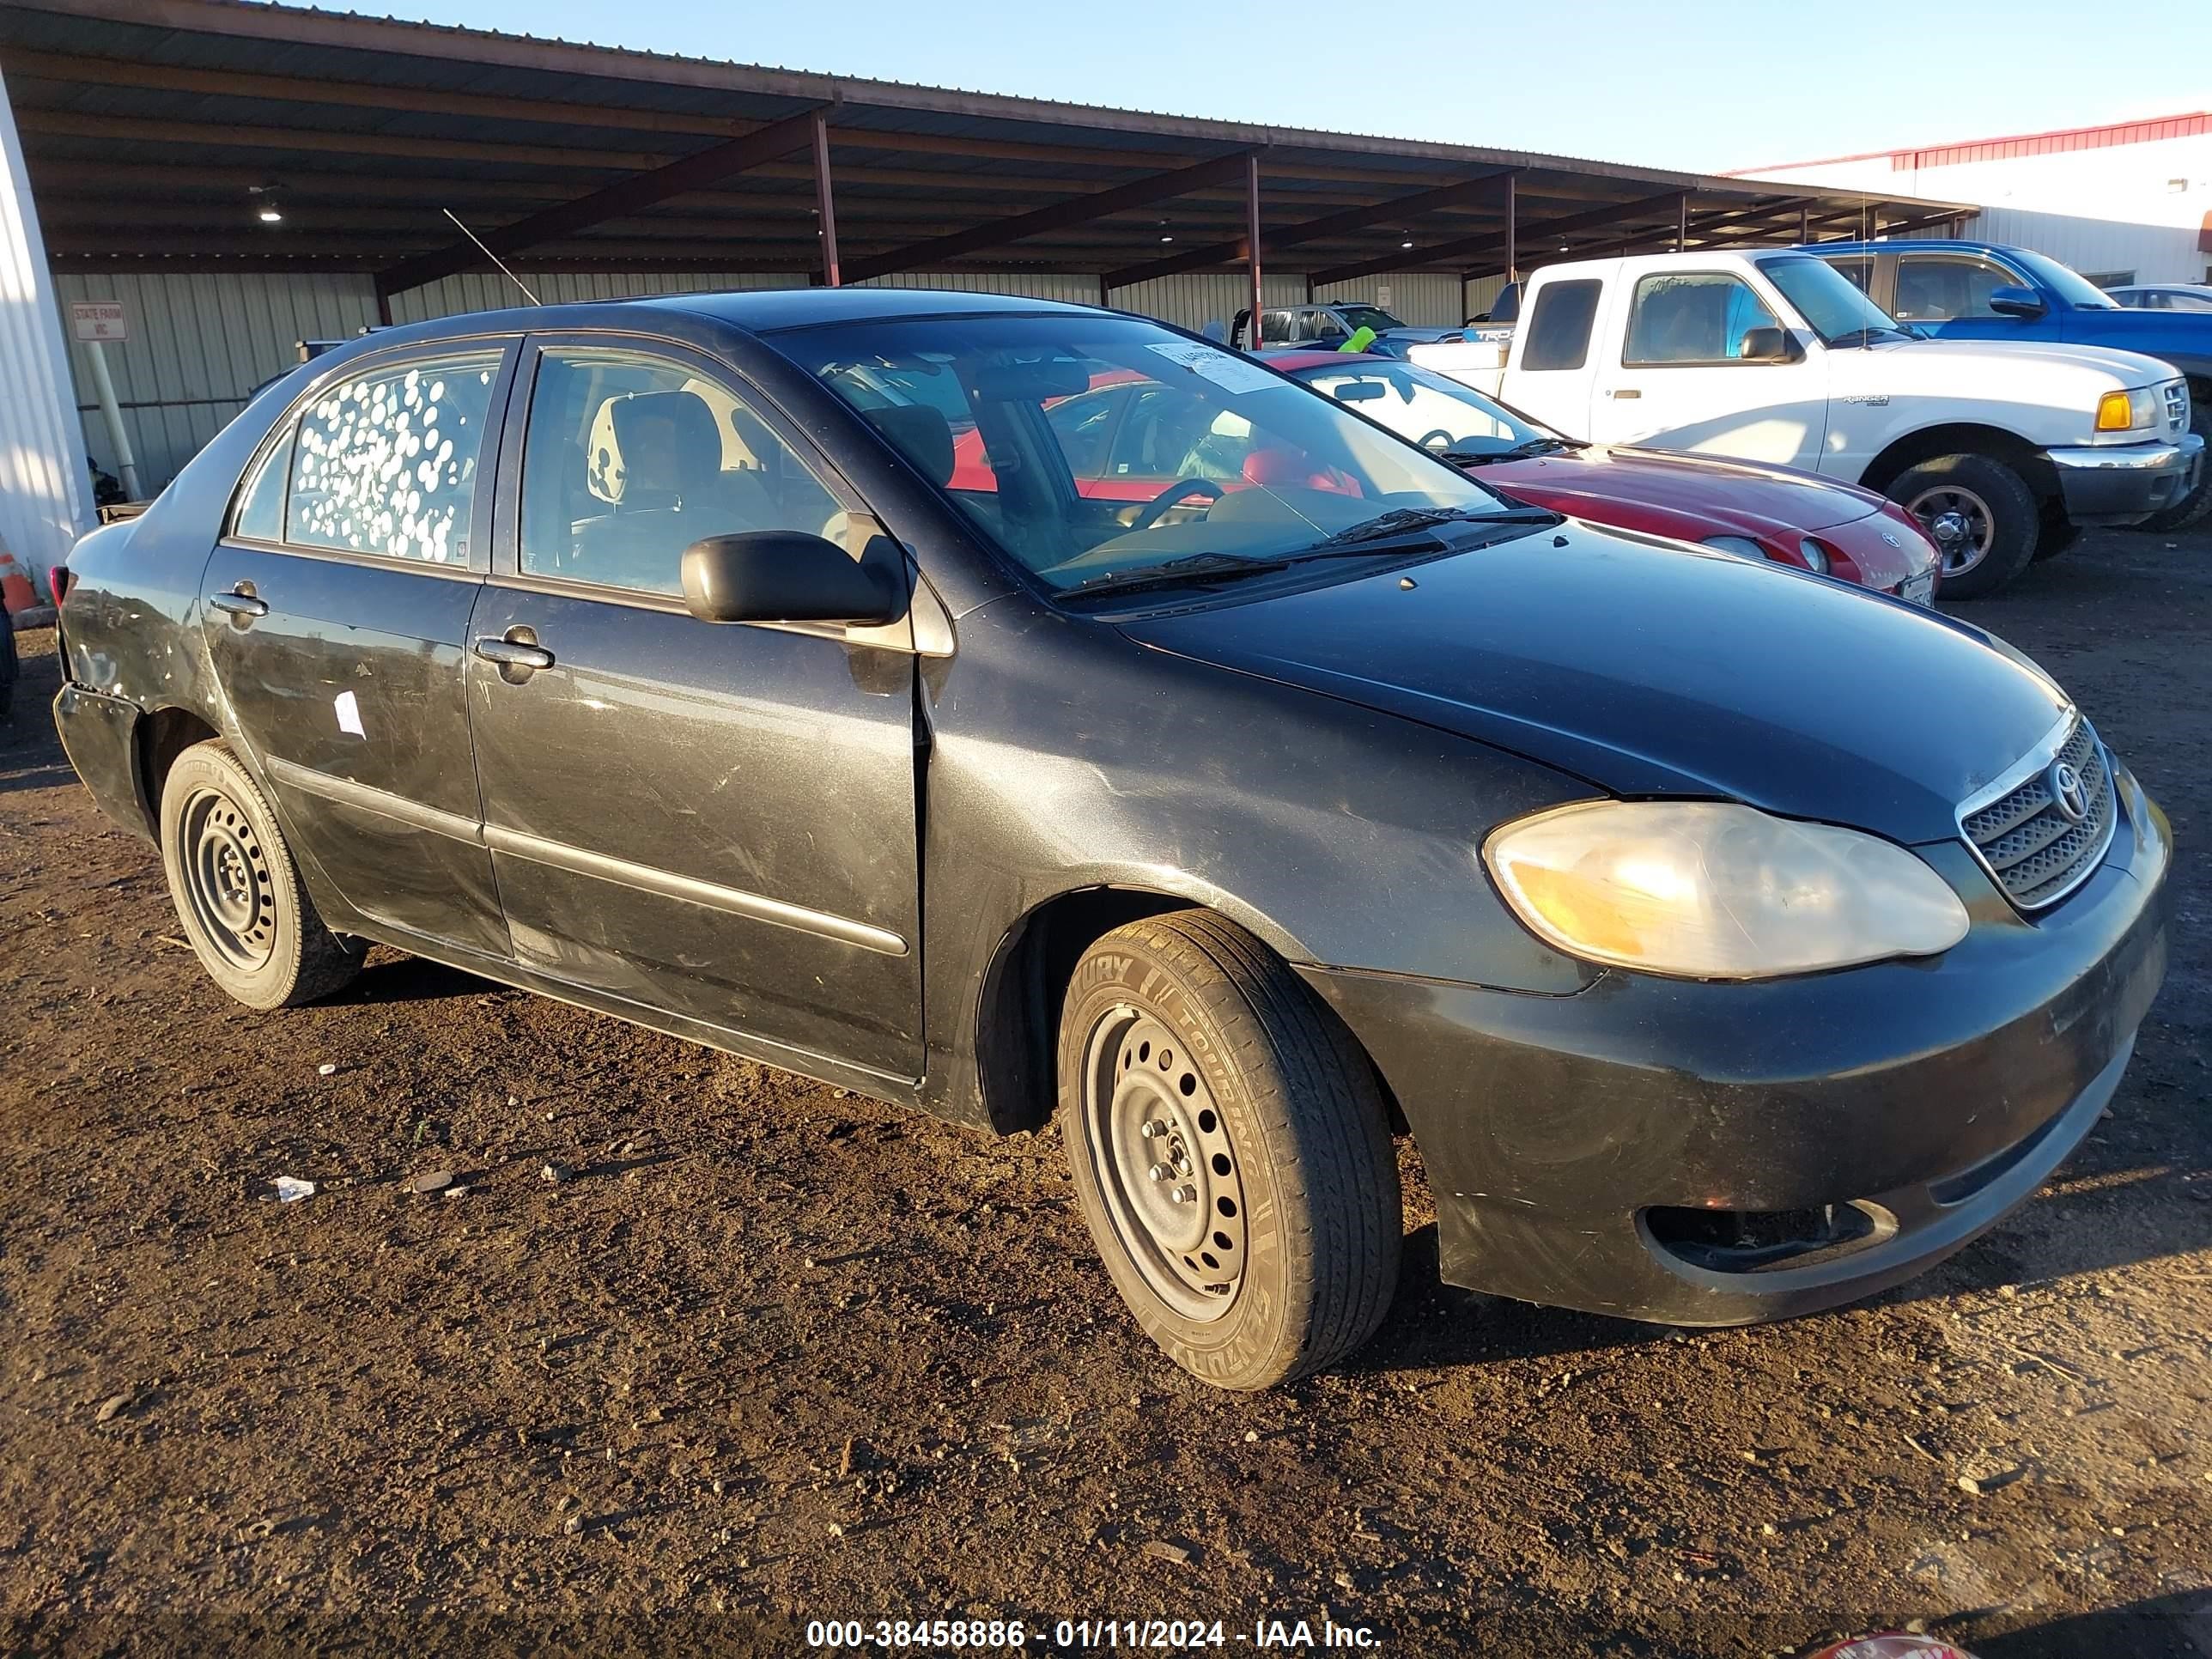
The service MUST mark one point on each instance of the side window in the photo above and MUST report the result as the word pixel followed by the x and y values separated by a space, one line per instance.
pixel 628 460
pixel 2194 302
pixel 385 464
pixel 259 516
pixel 1559 327
pixel 1275 328
pixel 1939 288
pixel 1323 325
pixel 1859 268
pixel 1700 317
pixel 1083 424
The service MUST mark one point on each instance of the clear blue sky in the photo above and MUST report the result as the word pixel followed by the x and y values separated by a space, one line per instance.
pixel 1704 85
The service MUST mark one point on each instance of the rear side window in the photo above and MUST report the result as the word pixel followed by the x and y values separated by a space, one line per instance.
pixel 260 514
pixel 385 464
pixel 1559 327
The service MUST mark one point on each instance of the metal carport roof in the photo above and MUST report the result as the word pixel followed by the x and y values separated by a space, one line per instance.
pixel 153 129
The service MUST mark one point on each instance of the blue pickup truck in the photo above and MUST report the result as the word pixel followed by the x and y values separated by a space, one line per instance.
pixel 1982 291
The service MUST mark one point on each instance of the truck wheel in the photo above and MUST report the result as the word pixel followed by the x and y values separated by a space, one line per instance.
pixel 237 891
pixel 2192 507
pixel 1230 1151
pixel 1981 514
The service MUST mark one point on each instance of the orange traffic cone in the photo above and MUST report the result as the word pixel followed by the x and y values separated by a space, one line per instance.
pixel 14 583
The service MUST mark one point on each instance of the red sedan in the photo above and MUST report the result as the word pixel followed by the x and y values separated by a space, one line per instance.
pixel 1790 517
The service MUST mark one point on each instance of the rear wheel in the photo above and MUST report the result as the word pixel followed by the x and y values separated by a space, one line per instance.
pixel 1230 1151
pixel 245 911
pixel 1981 515
pixel 2194 506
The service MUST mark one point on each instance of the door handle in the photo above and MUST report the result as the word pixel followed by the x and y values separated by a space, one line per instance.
pixel 515 653
pixel 240 601
pixel 1624 391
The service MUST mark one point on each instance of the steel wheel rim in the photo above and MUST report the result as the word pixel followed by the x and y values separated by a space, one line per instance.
pixel 227 886
pixel 1959 521
pixel 1159 1150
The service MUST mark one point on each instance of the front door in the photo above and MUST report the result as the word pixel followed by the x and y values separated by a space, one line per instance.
pixel 337 611
pixel 716 821
pixel 1683 383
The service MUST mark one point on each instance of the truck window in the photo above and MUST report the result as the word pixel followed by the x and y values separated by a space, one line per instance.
pixel 1276 328
pixel 1559 327
pixel 1937 287
pixel 1858 267
pixel 1699 317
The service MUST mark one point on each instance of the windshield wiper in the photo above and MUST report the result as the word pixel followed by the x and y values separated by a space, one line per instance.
pixel 1520 452
pixel 1868 337
pixel 1176 573
pixel 1404 520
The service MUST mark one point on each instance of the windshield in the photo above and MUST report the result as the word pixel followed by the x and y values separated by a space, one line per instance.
pixel 2069 283
pixel 1359 317
pixel 1085 444
pixel 1434 411
pixel 1838 311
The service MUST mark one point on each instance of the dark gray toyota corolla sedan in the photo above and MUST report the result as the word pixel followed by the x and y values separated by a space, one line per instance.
pixel 818 676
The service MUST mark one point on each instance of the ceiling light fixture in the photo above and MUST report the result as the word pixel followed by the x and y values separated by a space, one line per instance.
pixel 265 205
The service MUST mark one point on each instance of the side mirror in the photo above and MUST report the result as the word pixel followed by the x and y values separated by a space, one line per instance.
pixel 786 576
pixel 2022 302
pixel 1768 345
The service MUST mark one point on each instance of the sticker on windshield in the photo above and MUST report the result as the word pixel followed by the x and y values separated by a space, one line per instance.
pixel 1230 372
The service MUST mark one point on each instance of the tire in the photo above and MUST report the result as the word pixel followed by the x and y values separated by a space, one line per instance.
pixel 1996 517
pixel 10 666
pixel 2055 537
pixel 237 892
pixel 1182 1033
pixel 2193 508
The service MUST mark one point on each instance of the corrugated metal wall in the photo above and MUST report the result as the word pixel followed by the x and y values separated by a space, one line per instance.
pixel 1194 301
pixel 45 499
pixel 198 346
pixel 1425 299
pixel 201 343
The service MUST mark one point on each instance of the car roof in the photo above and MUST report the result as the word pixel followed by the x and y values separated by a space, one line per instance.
pixel 761 310
pixel 1910 245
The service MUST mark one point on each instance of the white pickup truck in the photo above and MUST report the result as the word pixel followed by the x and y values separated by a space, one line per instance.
pixel 2003 451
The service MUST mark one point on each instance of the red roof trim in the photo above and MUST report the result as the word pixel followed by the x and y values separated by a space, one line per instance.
pixel 2055 141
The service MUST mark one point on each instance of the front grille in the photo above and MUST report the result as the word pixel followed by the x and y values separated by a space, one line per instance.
pixel 2038 852
pixel 2177 406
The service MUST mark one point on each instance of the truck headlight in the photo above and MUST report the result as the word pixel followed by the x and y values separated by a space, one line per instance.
pixel 2123 411
pixel 1710 889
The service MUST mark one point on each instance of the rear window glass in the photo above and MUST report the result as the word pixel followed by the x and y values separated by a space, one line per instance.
pixel 1559 327
pixel 260 515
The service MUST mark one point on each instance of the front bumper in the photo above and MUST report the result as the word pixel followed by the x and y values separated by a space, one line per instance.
pixel 2127 483
pixel 1573 1143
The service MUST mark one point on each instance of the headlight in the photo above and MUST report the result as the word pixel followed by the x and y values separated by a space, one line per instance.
pixel 2122 411
pixel 1741 545
pixel 1814 553
pixel 1709 889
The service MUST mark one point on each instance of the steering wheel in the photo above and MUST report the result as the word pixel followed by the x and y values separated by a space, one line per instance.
pixel 1179 490
pixel 1438 438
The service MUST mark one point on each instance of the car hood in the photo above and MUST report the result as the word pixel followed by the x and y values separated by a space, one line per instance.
pixel 1701 490
pixel 1648 669
pixel 2040 373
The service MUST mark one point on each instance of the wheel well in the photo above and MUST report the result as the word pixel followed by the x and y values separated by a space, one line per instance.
pixel 1908 452
pixel 163 736
pixel 1018 1022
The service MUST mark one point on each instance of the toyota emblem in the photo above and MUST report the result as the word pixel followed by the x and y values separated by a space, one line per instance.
pixel 1891 539
pixel 2067 793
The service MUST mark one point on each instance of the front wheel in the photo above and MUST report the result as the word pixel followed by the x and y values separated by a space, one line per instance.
pixel 238 893
pixel 1230 1151
pixel 1981 515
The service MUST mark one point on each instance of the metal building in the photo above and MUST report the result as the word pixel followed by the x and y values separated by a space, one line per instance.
pixel 2128 202
pixel 240 178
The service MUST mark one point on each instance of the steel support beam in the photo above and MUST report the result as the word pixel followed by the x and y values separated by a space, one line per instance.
pixel 1059 216
pixel 631 195
pixel 1252 243
pixel 825 201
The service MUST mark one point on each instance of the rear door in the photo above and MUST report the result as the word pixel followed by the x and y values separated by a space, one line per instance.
pixel 336 612
pixel 1681 381
pixel 714 821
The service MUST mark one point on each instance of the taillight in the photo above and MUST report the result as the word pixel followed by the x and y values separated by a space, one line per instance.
pixel 58 580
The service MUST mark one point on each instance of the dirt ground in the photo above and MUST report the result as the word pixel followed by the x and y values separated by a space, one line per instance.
pixel 767 1353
